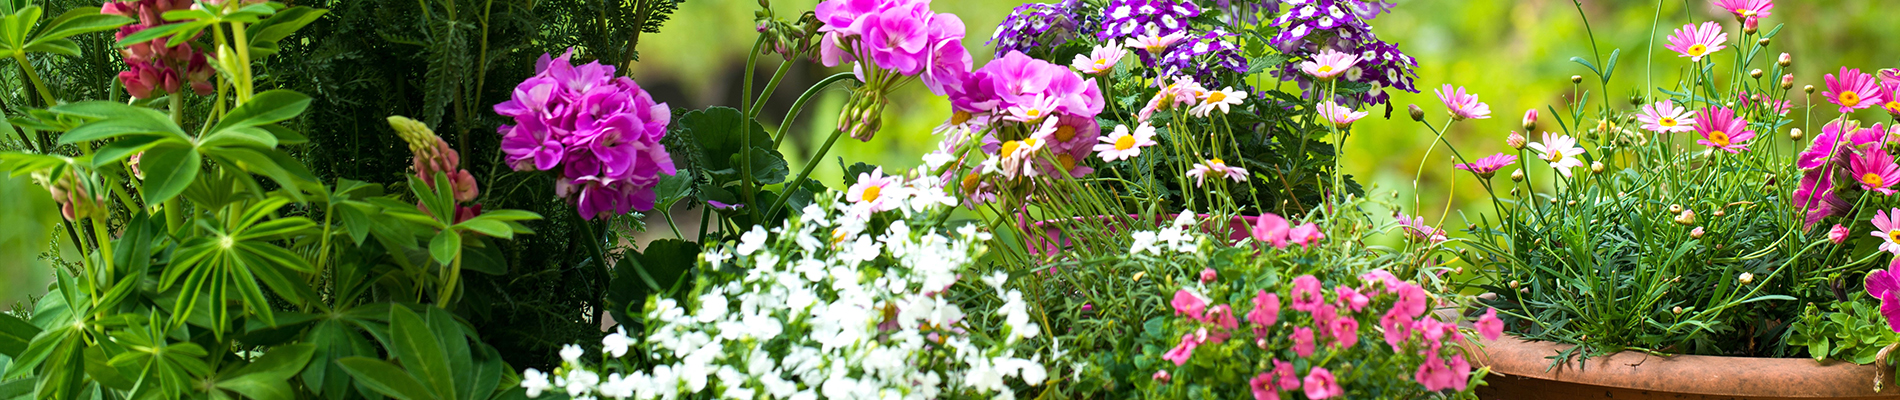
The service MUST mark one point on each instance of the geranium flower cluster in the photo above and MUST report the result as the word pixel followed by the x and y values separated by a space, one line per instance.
pixel 600 132
pixel 784 313
pixel 155 69
pixel 1041 117
pixel 1310 27
pixel 1042 26
pixel 893 36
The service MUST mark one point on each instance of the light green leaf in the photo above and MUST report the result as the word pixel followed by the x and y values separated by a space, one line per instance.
pixel 265 108
pixel 444 246
pixel 240 137
pixel 266 33
pixel 64 47
pixel 490 227
pixel 385 378
pixel 281 363
pixel 15 334
pixel 169 168
pixel 80 20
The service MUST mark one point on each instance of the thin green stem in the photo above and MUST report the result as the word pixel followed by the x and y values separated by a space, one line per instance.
pixel 745 133
pixel 26 67
pixel 784 127
pixel 806 171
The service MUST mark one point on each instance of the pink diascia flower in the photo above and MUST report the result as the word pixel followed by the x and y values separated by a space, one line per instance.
pixel 1874 170
pixel 1436 375
pixel 1887 228
pixel 1852 90
pixel 1208 275
pixel 873 191
pixel 1306 234
pixel 1272 229
pixel 1720 129
pixel 1306 294
pixel 1099 61
pixel 1697 41
pixel 1885 285
pixel 1351 299
pixel 1489 326
pixel 1320 385
pixel 1189 304
pixel 1421 230
pixel 1216 167
pixel 1665 117
pixel 1123 144
pixel 601 132
pixel 1489 165
pixel 1162 376
pixel 1838 234
pixel 1180 353
pixel 1262 387
pixel 1560 151
pixel 1746 9
pixel 1266 309
pixel 1345 332
pixel 1328 64
pixel 1303 342
pixel 1461 105
pixel 1340 116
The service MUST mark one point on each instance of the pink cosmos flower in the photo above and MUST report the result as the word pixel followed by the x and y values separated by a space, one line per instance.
pixel 1306 234
pixel 1421 230
pixel 1885 285
pixel 1720 129
pixel 1266 309
pixel 1488 166
pixel 1306 294
pixel 1180 353
pixel 1874 170
pixel 1887 228
pixel 1189 304
pixel 1099 61
pixel 1462 106
pixel 1217 168
pixel 1262 387
pixel 1489 326
pixel 1665 117
pixel 1340 116
pixel 1303 342
pixel 1852 90
pixel 1270 228
pixel 1329 64
pixel 1320 384
pixel 871 191
pixel 1838 234
pixel 1697 41
pixel 1747 9
pixel 1123 145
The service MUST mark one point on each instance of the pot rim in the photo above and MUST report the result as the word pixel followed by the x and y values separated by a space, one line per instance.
pixel 1514 357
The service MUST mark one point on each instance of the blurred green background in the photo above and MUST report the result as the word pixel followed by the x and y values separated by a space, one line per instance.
pixel 1513 53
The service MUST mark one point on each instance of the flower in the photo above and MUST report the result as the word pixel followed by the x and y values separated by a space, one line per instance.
pixel 1266 309
pixel 1665 117
pixel 1345 332
pixel 1875 171
pixel 1421 230
pixel 1890 92
pixel 1218 99
pixel 1162 376
pixel 1852 90
pixel 1306 294
pixel 1180 353
pixel 1303 342
pixel 1696 41
pixel 535 382
pixel 1489 326
pixel 1560 151
pixel 1217 167
pixel 154 69
pixel 616 343
pixel 1462 106
pixel 1153 43
pixel 1320 385
pixel 1887 228
pixel 1270 228
pixel 1262 387
pixel 903 36
pixel 1124 18
pixel 1747 9
pixel 1208 275
pixel 1122 145
pixel 1489 165
pixel 1838 234
pixel 572 353
pixel 1099 61
pixel 1720 129
pixel 1515 140
pixel 1306 234
pixel 600 131
pixel 1340 116
pixel 872 190
pixel 1189 304
pixel 1040 25
pixel 1202 56
pixel 1885 285
pixel 1328 64
pixel 1308 28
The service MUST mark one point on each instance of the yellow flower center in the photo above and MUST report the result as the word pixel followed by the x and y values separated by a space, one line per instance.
pixel 1034 113
pixel 1101 63
pixel 1893 106
pixel 1849 98
pixel 1667 122
pixel 1556 156
pixel 1697 50
pixel 1216 163
pixel 960 117
pixel 1125 142
pixel 1745 12
pixel 1719 138
pixel 1893 236
pixel 971 181
pixel 1010 147
pixel 1325 68
pixel 1065 133
pixel 1032 142
pixel 1873 179
pixel 1067 161
pixel 1216 97
pixel 871 192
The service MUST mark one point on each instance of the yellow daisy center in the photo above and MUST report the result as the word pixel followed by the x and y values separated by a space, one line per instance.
pixel 1719 138
pixel 960 117
pixel 1849 98
pixel 1034 113
pixel 1697 50
pixel 1873 179
pixel 970 182
pixel 1216 163
pixel 871 192
pixel 1745 12
pixel 1893 106
pixel 1065 133
pixel 1556 156
pixel 1125 142
pixel 1101 62
pixel 1325 68
pixel 1216 97
pixel 1010 147
pixel 1667 122
pixel 1067 161
pixel 1893 236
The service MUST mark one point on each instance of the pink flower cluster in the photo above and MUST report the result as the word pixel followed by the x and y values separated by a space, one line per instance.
pixel 602 132
pixel 1335 324
pixel 903 36
pixel 1274 230
pixel 1843 154
pixel 1055 103
pixel 441 158
pixel 153 68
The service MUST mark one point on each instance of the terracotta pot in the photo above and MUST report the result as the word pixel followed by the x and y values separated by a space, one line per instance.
pixel 1521 372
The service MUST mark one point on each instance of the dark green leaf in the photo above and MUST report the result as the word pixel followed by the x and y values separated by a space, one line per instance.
pixel 266 33
pixel 168 169
pixel 657 269
pixel 420 352
pixel 122 149
pixel 385 378
pixel 265 108
pixel 15 333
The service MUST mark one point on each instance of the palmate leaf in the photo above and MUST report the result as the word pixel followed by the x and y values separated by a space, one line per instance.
pixel 220 261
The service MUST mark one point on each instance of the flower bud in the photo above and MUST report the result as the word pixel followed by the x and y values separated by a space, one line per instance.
pixel 1787 81
pixel 1570 203
pixel 1746 278
pixel 1677 310
pixel 1418 114
pixel 1809 89
pixel 1756 73
pixel 1530 122
pixel 1208 275
pixel 1764 42
pixel 1718 212
pixel 1516 141
pixel 1675 208
pixel 1696 233
pixel 1514 284
pixel 1687 217
pixel 1751 25
pixel 1163 376
pixel 1596 167
pixel 1574 79
pixel 1784 60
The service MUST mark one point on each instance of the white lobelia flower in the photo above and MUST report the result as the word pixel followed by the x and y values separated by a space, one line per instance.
pixel 712 307
pixel 616 387
pixel 616 343
pixel 717 258
pixel 751 241
pixel 1145 242
pixel 535 382
pixel 579 381
pixel 572 353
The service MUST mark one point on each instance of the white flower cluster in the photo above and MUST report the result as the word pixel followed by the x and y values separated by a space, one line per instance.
pixel 822 308
pixel 1177 237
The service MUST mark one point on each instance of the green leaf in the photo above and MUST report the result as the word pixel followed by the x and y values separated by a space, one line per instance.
pixel 718 130
pixel 656 270
pixel 114 120
pixel 265 34
pixel 121 149
pixel 420 351
pixel 672 188
pixel 80 20
pixel 15 334
pixel 768 167
pixel 168 169
pixel 17 25
pixel 64 47
pixel 265 108
pixel 385 378
pixel 280 363
pixel 444 246
pixel 259 387
pixel 490 227
pixel 148 34
pixel 480 255
pixel 251 137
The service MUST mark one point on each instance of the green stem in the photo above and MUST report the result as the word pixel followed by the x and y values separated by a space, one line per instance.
pixel 745 133
pixel 104 238
pixel 448 285
pixel 770 87
pixel 243 47
pixel 593 240
pixel 27 68
pixel 810 165
pixel 785 126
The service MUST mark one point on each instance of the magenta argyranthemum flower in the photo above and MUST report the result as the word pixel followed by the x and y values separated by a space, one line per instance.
pixel 1887 228
pixel 1884 284
pixel 1696 41
pixel 1720 129
pixel 1329 64
pixel 1485 167
pixel 1122 144
pixel 1216 167
pixel 1154 43
pixel 1747 9
pixel 1852 90
pixel 1338 115
pixel 1890 94
pixel 1874 171
pixel 1560 151
pixel 1099 61
pixel 1665 117
pixel 1462 106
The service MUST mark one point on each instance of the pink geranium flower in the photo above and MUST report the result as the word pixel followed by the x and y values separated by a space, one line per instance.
pixel 1874 170
pixel 1665 117
pixel 1329 64
pixel 1489 326
pixel 1320 384
pixel 1720 129
pixel 1340 116
pixel 1887 228
pixel 1289 378
pixel 1852 90
pixel 1560 151
pixel 1461 105
pixel 1697 41
pixel 1488 166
